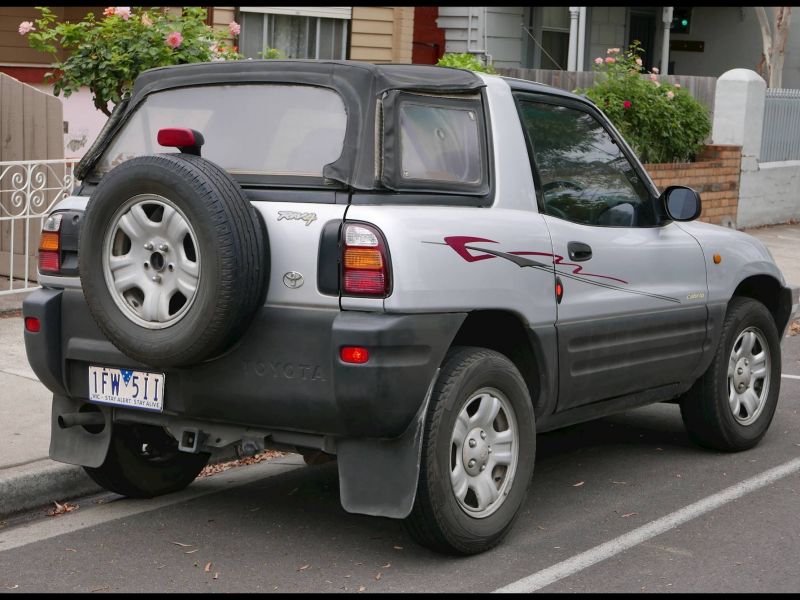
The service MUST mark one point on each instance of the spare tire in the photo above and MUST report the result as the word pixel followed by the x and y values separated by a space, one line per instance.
pixel 173 259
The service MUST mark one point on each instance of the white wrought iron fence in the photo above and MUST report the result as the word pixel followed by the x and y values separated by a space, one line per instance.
pixel 780 139
pixel 28 191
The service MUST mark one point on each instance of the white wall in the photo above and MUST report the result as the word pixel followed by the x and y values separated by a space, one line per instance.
pixel 768 195
pixel 85 121
pixel 503 26
pixel 732 39
pixel 605 29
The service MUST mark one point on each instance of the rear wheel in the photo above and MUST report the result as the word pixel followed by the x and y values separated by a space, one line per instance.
pixel 731 406
pixel 143 461
pixel 477 454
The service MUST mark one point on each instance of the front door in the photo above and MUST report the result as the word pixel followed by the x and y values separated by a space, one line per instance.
pixel 632 316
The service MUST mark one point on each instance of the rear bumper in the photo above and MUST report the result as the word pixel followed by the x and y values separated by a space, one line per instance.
pixel 284 374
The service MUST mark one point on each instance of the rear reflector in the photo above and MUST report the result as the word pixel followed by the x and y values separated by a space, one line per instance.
pixel 354 354
pixel 33 324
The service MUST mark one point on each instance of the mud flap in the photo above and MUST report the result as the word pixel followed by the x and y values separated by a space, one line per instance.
pixel 379 477
pixel 76 445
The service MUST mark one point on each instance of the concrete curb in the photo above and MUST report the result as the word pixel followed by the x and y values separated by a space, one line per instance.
pixel 41 482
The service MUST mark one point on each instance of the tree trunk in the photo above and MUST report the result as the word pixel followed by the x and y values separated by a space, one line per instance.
pixel 773 38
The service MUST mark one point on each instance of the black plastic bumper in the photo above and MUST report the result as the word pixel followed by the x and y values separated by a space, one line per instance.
pixel 285 372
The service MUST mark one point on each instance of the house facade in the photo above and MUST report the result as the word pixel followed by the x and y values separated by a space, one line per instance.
pixel 378 34
pixel 704 41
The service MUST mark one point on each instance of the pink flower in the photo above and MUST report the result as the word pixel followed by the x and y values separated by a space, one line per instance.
pixel 638 61
pixel 670 95
pixel 234 28
pixel 626 104
pixel 109 11
pixel 612 51
pixel 653 77
pixel 678 85
pixel 174 39
pixel 598 61
pixel 146 20
pixel 123 11
pixel 610 60
pixel 655 70
pixel 26 27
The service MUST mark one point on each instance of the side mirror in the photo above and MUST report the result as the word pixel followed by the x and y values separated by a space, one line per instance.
pixel 681 203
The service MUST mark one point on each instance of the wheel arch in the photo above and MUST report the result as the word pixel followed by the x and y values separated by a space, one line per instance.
pixel 532 350
pixel 769 291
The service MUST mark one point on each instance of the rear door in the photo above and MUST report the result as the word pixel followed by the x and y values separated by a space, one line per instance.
pixel 633 313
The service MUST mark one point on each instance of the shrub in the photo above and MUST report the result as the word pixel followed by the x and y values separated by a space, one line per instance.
pixel 464 61
pixel 107 55
pixel 662 122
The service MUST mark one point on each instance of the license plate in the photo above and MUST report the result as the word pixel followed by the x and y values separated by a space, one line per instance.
pixel 125 387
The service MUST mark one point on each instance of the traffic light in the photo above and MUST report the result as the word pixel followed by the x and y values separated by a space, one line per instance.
pixel 681 20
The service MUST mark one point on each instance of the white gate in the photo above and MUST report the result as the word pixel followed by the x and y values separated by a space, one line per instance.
pixel 28 191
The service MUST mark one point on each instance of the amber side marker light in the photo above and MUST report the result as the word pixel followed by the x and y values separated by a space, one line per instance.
pixel 717 259
pixel 354 354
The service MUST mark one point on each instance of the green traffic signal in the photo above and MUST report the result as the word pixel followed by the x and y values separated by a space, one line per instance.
pixel 684 22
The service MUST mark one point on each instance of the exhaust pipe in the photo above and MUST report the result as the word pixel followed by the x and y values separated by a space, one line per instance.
pixel 84 418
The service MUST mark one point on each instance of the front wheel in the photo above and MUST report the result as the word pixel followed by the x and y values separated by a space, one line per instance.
pixel 477 454
pixel 731 406
pixel 143 461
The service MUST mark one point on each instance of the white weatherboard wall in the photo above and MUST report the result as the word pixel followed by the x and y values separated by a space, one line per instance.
pixel 769 193
pixel 606 29
pixel 502 26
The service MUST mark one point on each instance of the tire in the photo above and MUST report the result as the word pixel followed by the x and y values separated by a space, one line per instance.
pixel 439 520
pixel 707 409
pixel 182 292
pixel 159 469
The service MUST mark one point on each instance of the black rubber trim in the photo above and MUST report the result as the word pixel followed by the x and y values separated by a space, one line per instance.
pixel 604 358
pixel 44 347
pixel 328 259
pixel 70 234
pixel 432 199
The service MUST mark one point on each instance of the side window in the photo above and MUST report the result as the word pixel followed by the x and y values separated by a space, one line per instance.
pixel 584 176
pixel 435 144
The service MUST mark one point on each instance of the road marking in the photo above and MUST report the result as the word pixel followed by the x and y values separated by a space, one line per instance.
pixel 790 376
pixel 545 577
pixel 102 513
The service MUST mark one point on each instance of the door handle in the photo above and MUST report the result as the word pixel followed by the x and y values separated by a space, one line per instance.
pixel 578 251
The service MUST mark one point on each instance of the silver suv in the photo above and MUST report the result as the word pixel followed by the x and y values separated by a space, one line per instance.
pixel 412 268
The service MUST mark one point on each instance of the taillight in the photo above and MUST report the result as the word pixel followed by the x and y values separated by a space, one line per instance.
pixel 50 245
pixel 365 261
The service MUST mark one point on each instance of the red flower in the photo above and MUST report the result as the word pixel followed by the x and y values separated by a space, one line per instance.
pixel 627 104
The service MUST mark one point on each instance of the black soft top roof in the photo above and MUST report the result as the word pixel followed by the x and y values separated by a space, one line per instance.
pixel 359 84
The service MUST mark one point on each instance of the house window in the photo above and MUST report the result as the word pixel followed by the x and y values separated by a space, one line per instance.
pixel 296 36
pixel 555 37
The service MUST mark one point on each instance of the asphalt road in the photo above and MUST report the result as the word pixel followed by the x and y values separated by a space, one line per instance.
pixel 287 532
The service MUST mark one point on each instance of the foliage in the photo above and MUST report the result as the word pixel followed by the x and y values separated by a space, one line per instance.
pixel 661 121
pixel 271 53
pixel 464 61
pixel 108 53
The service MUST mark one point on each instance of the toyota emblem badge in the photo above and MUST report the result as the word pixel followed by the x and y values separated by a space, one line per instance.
pixel 292 280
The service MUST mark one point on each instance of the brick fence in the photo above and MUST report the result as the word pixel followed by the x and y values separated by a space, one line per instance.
pixel 715 176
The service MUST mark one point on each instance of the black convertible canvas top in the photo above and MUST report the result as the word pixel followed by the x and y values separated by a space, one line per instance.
pixel 359 84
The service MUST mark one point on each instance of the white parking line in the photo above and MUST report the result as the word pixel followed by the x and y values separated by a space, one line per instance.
pixel 577 563
pixel 790 376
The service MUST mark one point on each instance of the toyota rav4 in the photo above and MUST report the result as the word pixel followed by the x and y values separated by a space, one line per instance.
pixel 415 269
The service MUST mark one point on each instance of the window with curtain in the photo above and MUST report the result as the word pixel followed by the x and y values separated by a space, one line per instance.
pixel 295 36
